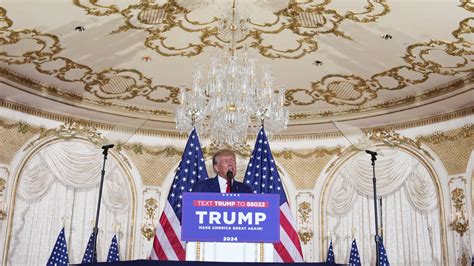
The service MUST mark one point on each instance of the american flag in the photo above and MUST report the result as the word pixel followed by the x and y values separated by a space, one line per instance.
pixel 262 176
pixel 167 244
pixel 59 254
pixel 113 255
pixel 330 258
pixel 383 259
pixel 354 258
pixel 88 253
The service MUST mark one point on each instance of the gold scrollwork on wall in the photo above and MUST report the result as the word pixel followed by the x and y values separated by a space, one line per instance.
pixel 3 209
pixel 151 214
pixel 466 131
pixel 459 223
pixel 305 231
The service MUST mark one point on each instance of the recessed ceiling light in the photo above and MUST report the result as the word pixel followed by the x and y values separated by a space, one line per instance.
pixel 317 63
pixel 386 36
pixel 79 28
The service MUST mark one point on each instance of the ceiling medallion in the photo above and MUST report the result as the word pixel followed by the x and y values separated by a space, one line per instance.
pixel 229 102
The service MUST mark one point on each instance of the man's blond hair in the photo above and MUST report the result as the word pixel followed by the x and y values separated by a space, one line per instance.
pixel 221 153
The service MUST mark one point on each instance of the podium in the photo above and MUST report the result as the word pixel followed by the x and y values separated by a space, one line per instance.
pixel 229 252
pixel 226 227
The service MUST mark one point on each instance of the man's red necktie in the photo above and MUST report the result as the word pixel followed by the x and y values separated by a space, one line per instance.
pixel 227 189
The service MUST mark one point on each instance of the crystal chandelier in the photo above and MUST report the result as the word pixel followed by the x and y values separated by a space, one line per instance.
pixel 229 102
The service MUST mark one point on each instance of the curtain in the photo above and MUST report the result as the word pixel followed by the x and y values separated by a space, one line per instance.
pixel 409 206
pixel 59 186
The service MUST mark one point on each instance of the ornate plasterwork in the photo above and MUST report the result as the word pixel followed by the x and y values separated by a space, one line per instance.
pixel 460 222
pixel 114 88
pixel 304 21
pixel 106 85
pixel 69 131
pixel 442 143
pixel 4 175
pixel 305 232
pixel 13 135
pixel 390 139
pixel 151 215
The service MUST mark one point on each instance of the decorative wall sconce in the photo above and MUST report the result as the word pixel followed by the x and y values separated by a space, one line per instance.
pixel 459 221
pixel 305 231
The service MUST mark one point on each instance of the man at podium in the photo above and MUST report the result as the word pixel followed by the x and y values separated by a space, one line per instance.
pixel 225 166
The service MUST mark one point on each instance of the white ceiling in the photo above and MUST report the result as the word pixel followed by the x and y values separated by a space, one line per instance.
pixel 100 74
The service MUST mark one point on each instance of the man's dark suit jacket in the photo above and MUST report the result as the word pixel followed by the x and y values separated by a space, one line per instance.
pixel 212 185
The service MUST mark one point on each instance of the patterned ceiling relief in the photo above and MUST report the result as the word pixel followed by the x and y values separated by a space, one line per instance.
pixel 129 57
pixel 120 84
pixel 304 21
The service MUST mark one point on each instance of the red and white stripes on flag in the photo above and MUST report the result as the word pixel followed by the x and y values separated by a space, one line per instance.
pixel 289 248
pixel 167 244
pixel 262 176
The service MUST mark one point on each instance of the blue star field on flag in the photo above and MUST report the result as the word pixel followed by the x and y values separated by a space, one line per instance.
pixel 262 175
pixel 263 178
pixel 354 258
pixel 59 254
pixel 383 259
pixel 191 170
pixel 88 253
pixel 330 257
pixel 113 255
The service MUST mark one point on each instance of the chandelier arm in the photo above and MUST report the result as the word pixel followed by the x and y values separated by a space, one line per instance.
pixel 230 101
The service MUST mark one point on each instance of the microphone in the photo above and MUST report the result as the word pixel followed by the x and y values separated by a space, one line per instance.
pixel 108 146
pixel 373 153
pixel 230 174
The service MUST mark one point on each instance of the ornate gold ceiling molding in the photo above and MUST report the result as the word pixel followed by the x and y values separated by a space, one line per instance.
pixel 303 20
pixel 111 86
pixel 73 99
pixel 106 85
pixel 308 20
pixel 356 91
pixel 68 119
pixel 390 127
pixel 295 137
pixel 389 138
pixel 438 91
pixel 468 5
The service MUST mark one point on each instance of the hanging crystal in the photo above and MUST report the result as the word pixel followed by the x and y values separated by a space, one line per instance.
pixel 229 102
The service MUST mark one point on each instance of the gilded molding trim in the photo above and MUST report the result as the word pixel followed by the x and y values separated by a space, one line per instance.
pixel 69 131
pixel 326 135
pixel 335 89
pixel 304 20
pixel 388 138
pixel 466 131
pixel 365 106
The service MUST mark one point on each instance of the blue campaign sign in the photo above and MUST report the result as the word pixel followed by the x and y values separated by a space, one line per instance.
pixel 216 217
